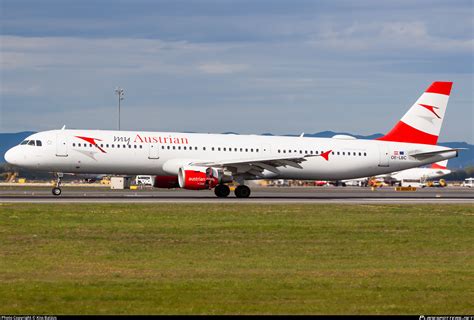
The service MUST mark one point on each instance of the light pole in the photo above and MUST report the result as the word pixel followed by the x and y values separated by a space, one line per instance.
pixel 120 93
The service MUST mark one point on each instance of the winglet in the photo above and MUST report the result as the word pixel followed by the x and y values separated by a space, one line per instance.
pixel 325 155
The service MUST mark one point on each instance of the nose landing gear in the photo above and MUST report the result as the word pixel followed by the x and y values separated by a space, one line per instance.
pixel 57 190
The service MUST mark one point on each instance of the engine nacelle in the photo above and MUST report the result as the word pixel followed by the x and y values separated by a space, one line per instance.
pixel 197 178
pixel 167 182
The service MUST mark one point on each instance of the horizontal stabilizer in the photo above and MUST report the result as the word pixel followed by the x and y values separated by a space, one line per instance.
pixel 426 155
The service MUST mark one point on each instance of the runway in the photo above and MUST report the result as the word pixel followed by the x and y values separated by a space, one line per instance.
pixel 337 195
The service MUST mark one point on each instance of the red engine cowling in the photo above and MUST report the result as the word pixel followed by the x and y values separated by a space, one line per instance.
pixel 167 182
pixel 197 178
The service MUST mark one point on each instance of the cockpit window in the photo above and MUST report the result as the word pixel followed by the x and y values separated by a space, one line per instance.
pixel 31 143
pixel 38 143
pixel 24 142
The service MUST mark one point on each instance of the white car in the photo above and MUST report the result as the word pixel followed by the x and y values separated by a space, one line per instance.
pixel 144 180
pixel 469 182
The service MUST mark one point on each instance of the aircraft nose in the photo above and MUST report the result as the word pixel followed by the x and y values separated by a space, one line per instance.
pixel 11 156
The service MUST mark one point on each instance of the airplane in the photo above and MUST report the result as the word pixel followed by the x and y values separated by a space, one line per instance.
pixel 436 170
pixel 198 161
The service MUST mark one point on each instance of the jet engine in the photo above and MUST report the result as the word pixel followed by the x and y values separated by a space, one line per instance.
pixel 197 178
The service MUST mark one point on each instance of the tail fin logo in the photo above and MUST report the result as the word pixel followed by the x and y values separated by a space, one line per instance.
pixel 431 108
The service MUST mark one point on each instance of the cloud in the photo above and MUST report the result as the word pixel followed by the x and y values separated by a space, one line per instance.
pixel 222 68
pixel 403 38
pixel 292 65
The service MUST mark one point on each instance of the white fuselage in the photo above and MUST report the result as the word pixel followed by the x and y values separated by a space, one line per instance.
pixel 421 174
pixel 163 153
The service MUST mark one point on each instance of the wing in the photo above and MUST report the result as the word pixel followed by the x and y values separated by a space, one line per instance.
pixel 256 166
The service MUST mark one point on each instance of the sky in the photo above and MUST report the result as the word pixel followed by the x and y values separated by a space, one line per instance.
pixel 283 67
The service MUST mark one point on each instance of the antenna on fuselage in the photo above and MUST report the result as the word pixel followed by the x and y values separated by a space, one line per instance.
pixel 64 127
pixel 302 135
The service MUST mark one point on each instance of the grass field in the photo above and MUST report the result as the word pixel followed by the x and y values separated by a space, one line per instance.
pixel 236 259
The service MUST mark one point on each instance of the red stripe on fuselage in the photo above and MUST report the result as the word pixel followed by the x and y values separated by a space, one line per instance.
pixel 405 133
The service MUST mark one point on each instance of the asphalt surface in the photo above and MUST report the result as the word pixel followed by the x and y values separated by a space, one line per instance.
pixel 329 194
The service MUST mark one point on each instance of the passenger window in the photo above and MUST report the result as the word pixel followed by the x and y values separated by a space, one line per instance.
pixel 256 150
pixel 118 146
pixel 168 147
pixel 113 146
pixel 203 148
pixel 284 151
pixel 338 153
pixel 235 149
pixel 73 144
pixel 278 150
pixel 141 146
pixel 107 145
pixel 195 148
pixel 251 150
pixel 225 149
pixel 365 154
pixel 130 146
pixel 218 149
pixel 179 147
pixel 212 148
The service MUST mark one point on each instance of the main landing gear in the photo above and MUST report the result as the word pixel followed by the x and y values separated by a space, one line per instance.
pixel 242 191
pixel 57 190
pixel 222 191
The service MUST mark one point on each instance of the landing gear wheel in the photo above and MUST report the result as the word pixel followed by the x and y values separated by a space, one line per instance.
pixel 242 191
pixel 57 190
pixel 222 190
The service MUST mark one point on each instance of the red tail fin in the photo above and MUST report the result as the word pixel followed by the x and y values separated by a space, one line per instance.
pixel 422 123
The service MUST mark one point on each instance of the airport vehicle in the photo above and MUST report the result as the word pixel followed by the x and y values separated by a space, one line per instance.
pixel 144 180
pixel 469 182
pixel 210 161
